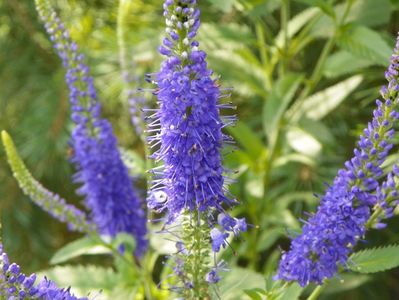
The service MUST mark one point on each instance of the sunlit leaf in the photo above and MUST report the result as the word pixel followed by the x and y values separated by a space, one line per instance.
pixel 303 142
pixel 83 279
pixel 322 103
pixel 236 280
pixel 83 246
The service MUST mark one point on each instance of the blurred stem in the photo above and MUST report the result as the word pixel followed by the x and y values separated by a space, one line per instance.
pixel 146 279
pixel 260 34
pixel 374 217
pixel 317 291
pixel 284 15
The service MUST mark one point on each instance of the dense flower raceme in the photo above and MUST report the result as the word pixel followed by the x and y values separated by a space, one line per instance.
pixel 187 128
pixel 328 236
pixel 16 285
pixel 190 135
pixel 105 180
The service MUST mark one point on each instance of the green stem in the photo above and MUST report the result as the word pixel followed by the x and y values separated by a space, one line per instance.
pixel 195 237
pixel 379 211
pixel 260 35
pixel 284 15
pixel 146 279
pixel 316 292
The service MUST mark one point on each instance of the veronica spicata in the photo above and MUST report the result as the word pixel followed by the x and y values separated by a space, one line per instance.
pixel 16 285
pixel 187 128
pixel 109 193
pixel 190 127
pixel 329 236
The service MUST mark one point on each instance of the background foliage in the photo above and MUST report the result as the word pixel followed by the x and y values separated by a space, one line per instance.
pixel 304 72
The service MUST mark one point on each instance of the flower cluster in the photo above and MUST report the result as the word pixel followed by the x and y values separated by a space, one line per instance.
pixel 16 285
pixel 190 135
pixel 187 131
pixel 328 236
pixel 110 196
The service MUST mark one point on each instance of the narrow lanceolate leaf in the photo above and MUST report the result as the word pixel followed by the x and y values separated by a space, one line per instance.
pixel 375 260
pixel 84 246
pixel 322 103
pixel 48 201
pixel 85 279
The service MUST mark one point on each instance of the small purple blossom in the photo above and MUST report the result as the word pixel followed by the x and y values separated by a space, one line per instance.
pixel 329 236
pixel 218 239
pixel 212 276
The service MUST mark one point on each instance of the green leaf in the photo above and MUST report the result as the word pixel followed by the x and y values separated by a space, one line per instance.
pixel 240 69
pixel 317 129
pixel 322 103
pixel 257 8
pixel 247 139
pixel 326 7
pixel 82 279
pixel 291 293
pixel 254 185
pixel 343 62
pixel 293 157
pixel 83 246
pixel 234 282
pixel 280 97
pixel 375 260
pixel 365 43
pixel 346 282
pixel 48 201
pixel 370 12
pixel 302 141
pixel 254 294
pixel 224 5
pixel 363 12
pixel 228 36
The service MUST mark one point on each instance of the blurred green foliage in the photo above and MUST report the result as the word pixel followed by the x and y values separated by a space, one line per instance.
pixel 304 72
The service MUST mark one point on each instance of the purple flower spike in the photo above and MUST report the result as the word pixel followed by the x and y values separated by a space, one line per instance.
pixel 110 196
pixel 329 236
pixel 190 127
pixel 15 285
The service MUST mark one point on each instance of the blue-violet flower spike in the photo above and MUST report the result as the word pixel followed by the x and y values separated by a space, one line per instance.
pixel 328 237
pixel 109 193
